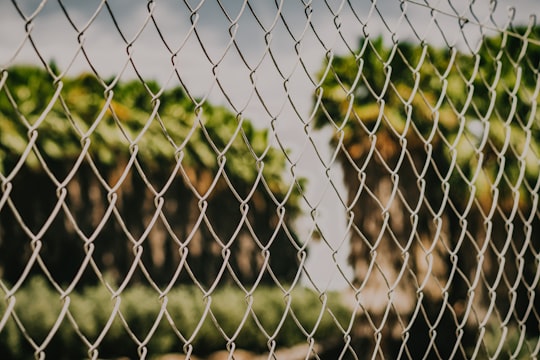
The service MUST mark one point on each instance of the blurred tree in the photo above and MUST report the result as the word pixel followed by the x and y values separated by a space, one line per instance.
pixel 130 155
pixel 438 151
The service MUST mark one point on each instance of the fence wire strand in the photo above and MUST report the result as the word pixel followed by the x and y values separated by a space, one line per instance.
pixel 303 180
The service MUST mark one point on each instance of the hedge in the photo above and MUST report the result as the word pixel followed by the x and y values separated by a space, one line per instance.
pixel 38 306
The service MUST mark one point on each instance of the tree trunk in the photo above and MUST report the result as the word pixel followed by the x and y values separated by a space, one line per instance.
pixel 399 252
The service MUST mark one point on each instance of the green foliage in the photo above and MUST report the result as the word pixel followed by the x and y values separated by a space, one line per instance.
pixel 48 126
pixel 508 344
pixel 38 306
pixel 455 98
pixel 128 118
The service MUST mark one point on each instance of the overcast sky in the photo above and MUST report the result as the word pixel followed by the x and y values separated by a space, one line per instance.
pixel 298 37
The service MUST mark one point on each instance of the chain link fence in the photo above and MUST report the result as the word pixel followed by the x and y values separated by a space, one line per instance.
pixel 269 179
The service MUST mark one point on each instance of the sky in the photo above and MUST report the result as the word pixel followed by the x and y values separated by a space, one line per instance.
pixel 279 48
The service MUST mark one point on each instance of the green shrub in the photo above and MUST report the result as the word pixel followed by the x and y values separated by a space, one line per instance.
pixel 510 343
pixel 38 307
pixel 10 338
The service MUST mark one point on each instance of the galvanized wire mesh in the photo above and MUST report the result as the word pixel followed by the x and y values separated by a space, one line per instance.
pixel 382 157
